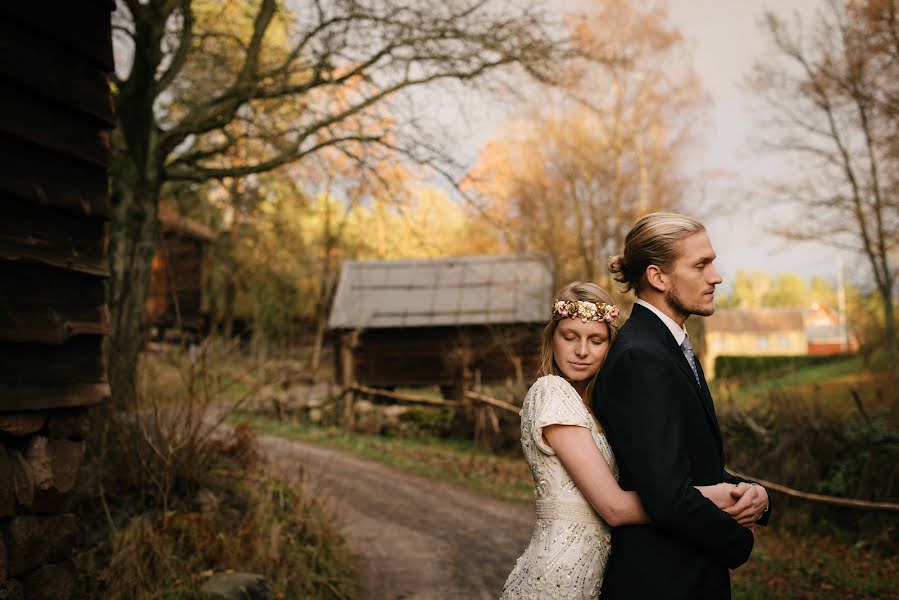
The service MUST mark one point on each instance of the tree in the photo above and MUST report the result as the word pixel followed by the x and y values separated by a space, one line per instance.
pixel 571 176
pixel 832 92
pixel 208 90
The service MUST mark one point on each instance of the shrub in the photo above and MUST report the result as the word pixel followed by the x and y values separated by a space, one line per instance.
pixel 178 500
pixel 794 441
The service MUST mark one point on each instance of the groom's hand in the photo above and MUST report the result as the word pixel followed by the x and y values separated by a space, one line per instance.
pixel 752 501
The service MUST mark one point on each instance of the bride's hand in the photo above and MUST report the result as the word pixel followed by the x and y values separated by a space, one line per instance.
pixel 719 494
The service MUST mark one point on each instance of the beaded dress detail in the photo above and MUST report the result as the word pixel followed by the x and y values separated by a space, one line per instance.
pixel 567 555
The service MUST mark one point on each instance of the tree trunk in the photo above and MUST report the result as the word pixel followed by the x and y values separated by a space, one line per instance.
pixel 133 238
pixel 891 332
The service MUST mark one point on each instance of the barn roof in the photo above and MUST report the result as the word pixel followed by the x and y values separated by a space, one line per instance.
pixel 472 290
pixel 755 320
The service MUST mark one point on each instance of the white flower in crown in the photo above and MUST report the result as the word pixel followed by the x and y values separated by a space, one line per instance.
pixel 561 308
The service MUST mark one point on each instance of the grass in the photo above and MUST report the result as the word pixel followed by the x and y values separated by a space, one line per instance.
pixel 830 385
pixel 788 566
pixel 785 565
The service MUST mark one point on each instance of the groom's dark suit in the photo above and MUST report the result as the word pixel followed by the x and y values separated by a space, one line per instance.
pixel 662 427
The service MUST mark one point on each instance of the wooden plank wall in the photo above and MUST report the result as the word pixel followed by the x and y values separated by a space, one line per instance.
pixel 56 114
pixel 424 356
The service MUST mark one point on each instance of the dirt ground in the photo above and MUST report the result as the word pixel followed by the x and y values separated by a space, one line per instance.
pixel 417 539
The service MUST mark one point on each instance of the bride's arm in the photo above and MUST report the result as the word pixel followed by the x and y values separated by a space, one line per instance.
pixel 588 469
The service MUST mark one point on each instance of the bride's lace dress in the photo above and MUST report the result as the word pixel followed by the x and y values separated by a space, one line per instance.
pixel 570 546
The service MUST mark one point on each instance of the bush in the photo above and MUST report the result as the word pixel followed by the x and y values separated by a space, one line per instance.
pixel 178 501
pixel 793 441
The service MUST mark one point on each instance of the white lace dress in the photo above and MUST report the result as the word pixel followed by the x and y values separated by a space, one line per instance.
pixel 570 546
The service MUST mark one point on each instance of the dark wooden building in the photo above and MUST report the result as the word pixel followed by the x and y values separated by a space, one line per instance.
pixel 176 280
pixel 55 117
pixel 441 322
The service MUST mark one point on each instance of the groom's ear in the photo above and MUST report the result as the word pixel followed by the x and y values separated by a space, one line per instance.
pixel 654 278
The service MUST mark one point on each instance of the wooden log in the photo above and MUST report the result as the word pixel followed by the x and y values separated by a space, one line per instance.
pixel 32 117
pixel 49 305
pixel 67 27
pixel 822 499
pixel 404 397
pixel 49 179
pixel 68 242
pixel 79 360
pixel 493 401
pixel 54 71
pixel 34 397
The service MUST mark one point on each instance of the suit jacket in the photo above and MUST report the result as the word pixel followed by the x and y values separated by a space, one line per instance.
pixel 662 427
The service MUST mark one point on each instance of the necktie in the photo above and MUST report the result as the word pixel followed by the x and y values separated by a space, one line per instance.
pixel 687 348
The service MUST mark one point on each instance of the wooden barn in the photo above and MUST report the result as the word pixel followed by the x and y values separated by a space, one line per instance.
pixel 176 295
pixel 444 322
pixel 55 117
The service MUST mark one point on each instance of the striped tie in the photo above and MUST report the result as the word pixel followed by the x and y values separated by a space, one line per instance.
pixel 687 348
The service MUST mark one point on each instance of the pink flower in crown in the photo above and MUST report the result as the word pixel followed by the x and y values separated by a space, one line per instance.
pixel 560 308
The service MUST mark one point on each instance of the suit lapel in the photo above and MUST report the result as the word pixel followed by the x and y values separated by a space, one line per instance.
pixel 700 388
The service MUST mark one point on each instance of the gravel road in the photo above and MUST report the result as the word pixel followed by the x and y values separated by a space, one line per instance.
pixel 417 538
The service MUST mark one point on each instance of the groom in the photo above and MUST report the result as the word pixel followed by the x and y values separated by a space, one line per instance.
pixel 654 404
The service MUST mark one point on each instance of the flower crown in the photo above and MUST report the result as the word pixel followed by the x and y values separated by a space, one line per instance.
pixel 584 310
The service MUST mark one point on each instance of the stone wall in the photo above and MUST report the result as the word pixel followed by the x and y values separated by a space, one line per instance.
pixel 39 463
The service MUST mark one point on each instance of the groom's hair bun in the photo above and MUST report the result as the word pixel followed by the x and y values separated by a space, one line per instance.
pixel 653 240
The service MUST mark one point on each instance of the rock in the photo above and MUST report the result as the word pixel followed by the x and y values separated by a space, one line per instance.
pixel 23 479
pixel 366 418
pixel 51 582
pixel 22 423
pixel 70 423
pixel 208 501
pixel 54 463
pixel 236 586
pixel 32 542
pixel 7 485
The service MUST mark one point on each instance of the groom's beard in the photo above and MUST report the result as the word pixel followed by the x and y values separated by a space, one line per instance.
pixel 672 296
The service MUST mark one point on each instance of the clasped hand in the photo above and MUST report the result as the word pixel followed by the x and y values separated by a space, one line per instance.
pixel 751 503
pixel 745 502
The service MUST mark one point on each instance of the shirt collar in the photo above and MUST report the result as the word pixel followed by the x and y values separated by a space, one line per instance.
pixel 676 330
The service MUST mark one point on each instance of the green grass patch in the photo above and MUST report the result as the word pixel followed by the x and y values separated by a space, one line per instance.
pixel 829 384
pixel 455 461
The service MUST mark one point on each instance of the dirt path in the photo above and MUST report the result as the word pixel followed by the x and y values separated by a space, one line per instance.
pixel 417 538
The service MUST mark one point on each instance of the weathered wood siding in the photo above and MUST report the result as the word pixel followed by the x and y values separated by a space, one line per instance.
pixel 425 356
pixel 55 117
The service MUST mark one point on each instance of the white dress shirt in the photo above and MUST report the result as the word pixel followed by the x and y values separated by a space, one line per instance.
pixel 677 331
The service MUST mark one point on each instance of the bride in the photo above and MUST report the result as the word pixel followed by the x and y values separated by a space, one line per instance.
pixel 575 475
